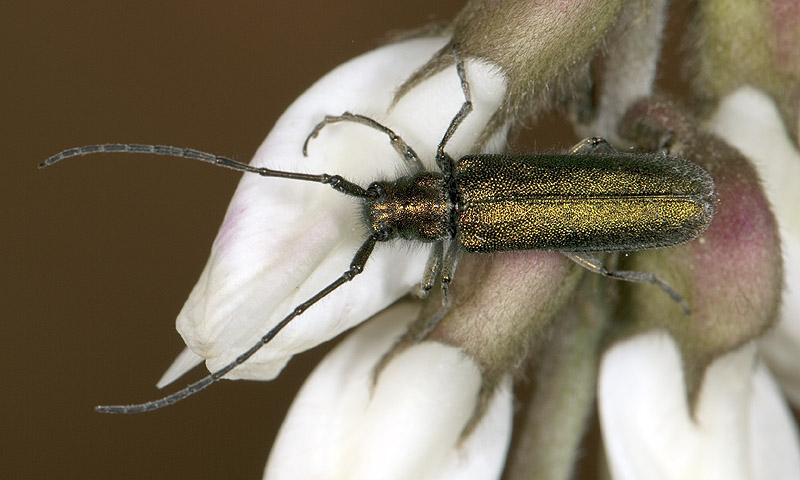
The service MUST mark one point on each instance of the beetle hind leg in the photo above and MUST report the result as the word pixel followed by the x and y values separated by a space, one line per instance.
pixel 591 262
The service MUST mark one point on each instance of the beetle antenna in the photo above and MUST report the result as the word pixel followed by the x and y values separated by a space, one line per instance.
pixel 356 267
pixel 335 181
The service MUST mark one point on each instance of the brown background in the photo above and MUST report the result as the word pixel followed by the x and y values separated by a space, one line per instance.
pixel 100 253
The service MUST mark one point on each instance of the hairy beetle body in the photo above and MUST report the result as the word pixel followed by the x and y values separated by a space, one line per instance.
pixel 572 203
pixel 580 203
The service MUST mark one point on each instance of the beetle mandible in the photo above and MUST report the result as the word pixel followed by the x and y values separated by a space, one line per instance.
pixel 592 199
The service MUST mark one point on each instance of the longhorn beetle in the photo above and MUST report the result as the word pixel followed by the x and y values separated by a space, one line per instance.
pixel 593 199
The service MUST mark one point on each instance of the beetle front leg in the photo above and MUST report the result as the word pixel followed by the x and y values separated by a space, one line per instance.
pixel 397 142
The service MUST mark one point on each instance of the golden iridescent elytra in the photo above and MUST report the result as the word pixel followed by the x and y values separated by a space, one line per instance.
pixel 580 202
pixel 593 199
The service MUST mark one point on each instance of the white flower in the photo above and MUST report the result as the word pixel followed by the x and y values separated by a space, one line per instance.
pixel 749 120
pixel 282 241
pixel 408 425
pixel 741 427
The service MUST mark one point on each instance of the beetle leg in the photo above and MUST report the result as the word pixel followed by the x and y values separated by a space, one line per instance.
pixel 444 260
pixel 400 146
pixel 449 267
pixel 432 268
pixel 446 264
pixel 442 158
pixel 593 263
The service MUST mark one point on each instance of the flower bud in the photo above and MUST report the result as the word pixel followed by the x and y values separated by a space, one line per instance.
pixel 764 52
pixel 502 304
pixel 543 48
pixel 750 120
pixel 731 275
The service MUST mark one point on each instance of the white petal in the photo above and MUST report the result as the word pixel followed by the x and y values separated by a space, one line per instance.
pixel 781 345
pixel 749 120
pixel 775 445
pixel 185 361
pixel 407 426
pixel 282 241
pixel 648 431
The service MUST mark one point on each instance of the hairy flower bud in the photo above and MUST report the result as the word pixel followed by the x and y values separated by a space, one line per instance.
pixel 732 274
pixel 764 52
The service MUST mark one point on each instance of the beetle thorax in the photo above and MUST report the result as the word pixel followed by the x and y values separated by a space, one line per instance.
pixel 415 208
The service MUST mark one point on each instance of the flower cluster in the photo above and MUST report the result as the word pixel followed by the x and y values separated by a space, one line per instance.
pixel 677 396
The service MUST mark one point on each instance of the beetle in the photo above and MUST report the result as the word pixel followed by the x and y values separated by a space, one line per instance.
pixel 592 199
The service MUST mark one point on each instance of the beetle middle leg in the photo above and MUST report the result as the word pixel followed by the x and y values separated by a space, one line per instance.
pixel 449 268
pixel 400 146
pixel 440 261
pixel 432 268
pixel 593 263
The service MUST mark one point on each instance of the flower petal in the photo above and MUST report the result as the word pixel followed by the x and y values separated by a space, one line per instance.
pixel 649 431
pixel 775 444
pixel 406 425
pixel 185 361
pixel 750 121
pixel 282 241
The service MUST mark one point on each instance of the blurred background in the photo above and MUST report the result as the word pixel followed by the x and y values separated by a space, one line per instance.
pixel 100 253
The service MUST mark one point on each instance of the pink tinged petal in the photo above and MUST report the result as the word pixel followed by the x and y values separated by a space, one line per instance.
pixel 282 241
pixel 408 425
pixel 649 431
pixel 749 120
pixel 784 28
